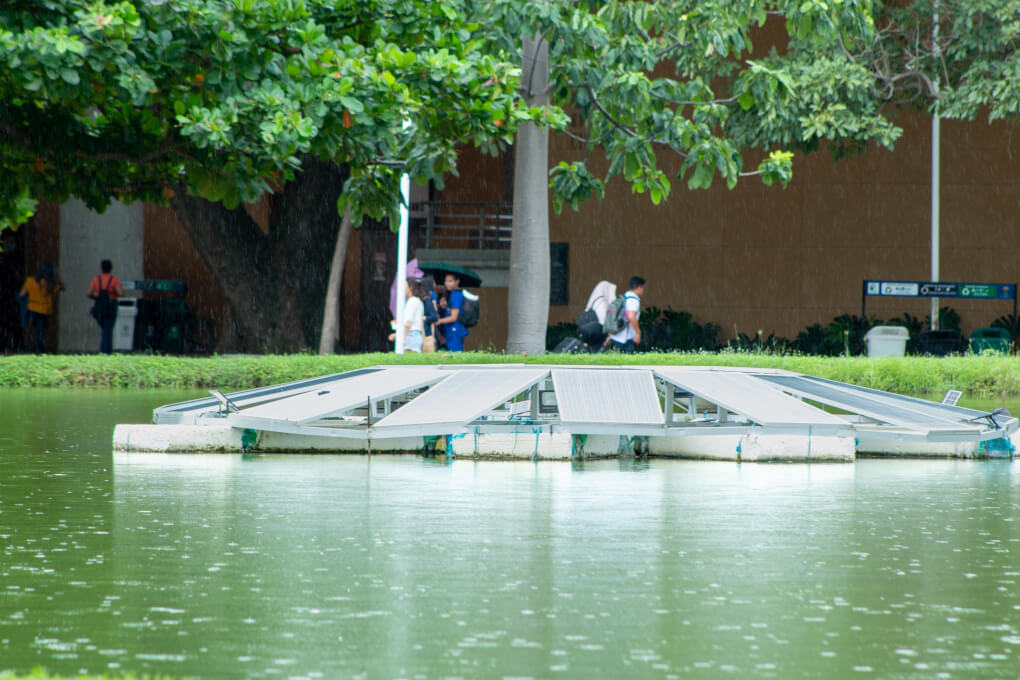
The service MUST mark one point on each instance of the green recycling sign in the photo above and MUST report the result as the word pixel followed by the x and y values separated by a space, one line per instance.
pixel 941 289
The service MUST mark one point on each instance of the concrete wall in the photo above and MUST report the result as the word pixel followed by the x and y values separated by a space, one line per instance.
pixel 87 238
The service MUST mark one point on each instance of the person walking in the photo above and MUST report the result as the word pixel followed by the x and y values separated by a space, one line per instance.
pixel 414 317
pixel 104 289
pixel 453 330
pixel 41 290
pixel 628 338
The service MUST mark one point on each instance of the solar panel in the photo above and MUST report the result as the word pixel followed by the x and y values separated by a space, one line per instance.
pixel 338 398
pixel 607 396
pixel 189 411
pixel 750 397
pixel 880 406
pixel 461 398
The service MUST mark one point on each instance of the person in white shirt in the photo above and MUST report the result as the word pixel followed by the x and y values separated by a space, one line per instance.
pixel 628 338
pixel 414 317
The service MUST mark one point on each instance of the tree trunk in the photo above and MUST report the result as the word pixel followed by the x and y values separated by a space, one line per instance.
pixel 275 283
pixel 529 246
pixel 331 311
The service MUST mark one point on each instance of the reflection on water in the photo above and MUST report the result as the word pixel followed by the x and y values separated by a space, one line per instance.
pixel 333 566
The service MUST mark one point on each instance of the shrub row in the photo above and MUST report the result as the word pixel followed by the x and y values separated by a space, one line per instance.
pixel 668 330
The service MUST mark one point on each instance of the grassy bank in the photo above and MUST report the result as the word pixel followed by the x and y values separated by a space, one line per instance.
pixel 976 375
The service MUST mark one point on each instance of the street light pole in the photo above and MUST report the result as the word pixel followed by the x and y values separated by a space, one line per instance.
pixel 936 143
pixel 405 193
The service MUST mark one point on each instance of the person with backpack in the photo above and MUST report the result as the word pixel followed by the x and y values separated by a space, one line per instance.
pixel 453 330
pixel 40 291
pixel 622 318
pixel 104 290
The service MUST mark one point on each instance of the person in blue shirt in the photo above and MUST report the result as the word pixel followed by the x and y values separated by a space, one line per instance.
pixel 452 329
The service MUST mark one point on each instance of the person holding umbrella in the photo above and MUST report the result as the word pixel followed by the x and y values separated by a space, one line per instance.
pixel 452 329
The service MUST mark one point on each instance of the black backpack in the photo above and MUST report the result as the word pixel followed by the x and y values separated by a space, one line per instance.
pixel 431 314
pixel 589 328
pixel 469 310
pixel 104 307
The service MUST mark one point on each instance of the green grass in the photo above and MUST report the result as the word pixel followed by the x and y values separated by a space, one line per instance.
pixel 977 375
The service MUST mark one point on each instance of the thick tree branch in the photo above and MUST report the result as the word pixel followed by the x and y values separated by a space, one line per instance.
pixel 598 105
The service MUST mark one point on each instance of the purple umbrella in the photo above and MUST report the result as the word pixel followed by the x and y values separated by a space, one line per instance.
pixel 412 270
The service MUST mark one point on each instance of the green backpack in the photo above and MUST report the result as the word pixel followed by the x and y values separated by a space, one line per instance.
pixel 615 318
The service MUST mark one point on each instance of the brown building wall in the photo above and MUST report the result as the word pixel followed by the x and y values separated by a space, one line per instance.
pixel 484 178
pixel 779 259
pixel 752 258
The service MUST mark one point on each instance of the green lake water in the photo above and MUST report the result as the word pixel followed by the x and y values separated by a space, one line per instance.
pixel 223 566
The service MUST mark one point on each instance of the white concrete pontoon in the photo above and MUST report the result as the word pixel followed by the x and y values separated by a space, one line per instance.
pixel 564 412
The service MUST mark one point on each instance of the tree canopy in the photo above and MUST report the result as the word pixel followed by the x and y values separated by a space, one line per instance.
pixel 707 79
pixel 105 100
pixel 637 77
pixel 703 89
pixel 961 54
pixel 127 100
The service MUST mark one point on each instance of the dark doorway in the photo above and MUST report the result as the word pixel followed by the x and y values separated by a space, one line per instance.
pixel 12 275
pixel 378 267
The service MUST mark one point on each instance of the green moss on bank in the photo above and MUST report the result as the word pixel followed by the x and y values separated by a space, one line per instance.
pixel 976 375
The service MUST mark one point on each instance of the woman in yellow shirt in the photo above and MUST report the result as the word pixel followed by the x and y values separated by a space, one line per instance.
pixel 41 289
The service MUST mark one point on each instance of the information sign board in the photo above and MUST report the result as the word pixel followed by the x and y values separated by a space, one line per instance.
pixel 938 289
pixel 941 289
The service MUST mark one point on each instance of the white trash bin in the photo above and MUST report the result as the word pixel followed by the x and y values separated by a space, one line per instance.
pixel 124 326
pixel 887 341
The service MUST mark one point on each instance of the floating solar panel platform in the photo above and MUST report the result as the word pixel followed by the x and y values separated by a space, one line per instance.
pixel 565 412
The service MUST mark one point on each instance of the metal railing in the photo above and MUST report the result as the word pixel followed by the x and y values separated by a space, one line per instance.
pixel 462 224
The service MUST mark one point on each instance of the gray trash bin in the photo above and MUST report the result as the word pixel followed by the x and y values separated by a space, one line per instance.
pixel 124 327
pixel 887 341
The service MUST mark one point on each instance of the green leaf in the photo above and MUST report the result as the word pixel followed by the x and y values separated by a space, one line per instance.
pixel 702 177
pixel 69 76
pixel 353 105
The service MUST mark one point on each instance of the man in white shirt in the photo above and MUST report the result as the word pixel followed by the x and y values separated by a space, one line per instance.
pixel 628 338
